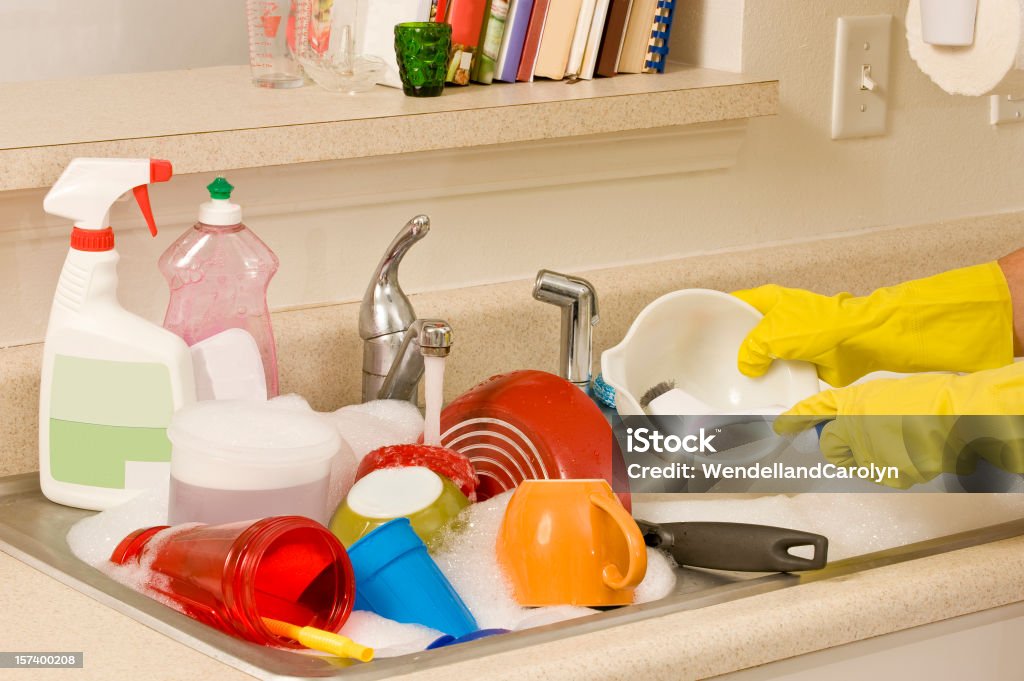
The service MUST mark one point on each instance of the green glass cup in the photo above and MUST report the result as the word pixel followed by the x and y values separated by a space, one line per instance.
pixel 421 48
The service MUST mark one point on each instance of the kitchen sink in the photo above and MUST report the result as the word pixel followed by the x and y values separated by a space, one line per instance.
pixel 33 530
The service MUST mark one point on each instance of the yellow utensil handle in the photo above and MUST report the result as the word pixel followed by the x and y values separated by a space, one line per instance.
pixel 318 639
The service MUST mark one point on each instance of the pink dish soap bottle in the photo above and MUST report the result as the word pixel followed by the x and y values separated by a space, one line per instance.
pixel 219 272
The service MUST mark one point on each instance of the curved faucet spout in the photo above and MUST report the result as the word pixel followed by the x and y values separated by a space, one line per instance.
pixel 386 312
pixel 386 309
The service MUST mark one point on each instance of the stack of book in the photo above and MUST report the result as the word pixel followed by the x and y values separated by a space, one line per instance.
pixel 519 40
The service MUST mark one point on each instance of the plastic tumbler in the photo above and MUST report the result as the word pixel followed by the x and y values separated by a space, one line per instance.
pixel 421 49
pixel 286 568
pixel 396 578
pixel 272 43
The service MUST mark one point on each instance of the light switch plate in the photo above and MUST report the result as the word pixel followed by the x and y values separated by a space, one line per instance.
pixel 1006 109
pixel 862 48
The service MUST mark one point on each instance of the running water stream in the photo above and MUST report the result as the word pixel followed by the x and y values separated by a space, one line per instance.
pixel 433 396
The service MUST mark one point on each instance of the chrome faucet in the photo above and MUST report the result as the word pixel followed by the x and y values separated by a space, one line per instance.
pixel 389 327
pixel 423 338
pixel 578 301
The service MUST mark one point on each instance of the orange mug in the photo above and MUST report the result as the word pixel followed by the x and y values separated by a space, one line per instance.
pixel 570 542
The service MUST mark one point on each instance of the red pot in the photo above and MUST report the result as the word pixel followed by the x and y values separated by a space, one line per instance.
pixel 529 425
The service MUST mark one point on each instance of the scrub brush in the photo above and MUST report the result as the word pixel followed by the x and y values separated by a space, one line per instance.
pixel 656 392
pixel 318 639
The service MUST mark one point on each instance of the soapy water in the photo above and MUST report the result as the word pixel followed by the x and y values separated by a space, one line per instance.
pixel 360 426
pixel 433 397
pixel 93 539
pixel 248 425
pixel 371 425
pixel 467 556
pixel 139 576
pixel 388 638
pixel 855 523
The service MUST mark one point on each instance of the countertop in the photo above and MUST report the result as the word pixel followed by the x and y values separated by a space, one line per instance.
pixel 213 119
pixel 39 614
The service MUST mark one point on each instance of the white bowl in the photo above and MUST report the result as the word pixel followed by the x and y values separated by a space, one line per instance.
pixel 693 337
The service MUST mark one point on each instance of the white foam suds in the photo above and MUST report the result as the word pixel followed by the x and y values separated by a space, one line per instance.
pixel 376 424
pixel 276 427
pixel 854 523
pixel 93 539
pixel 388 638
pixel 291 401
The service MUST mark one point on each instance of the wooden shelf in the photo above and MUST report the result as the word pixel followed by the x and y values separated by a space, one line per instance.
pixel 213 119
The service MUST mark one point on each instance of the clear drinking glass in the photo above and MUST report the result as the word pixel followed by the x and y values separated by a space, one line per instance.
pixel 271 44
pixel 324 45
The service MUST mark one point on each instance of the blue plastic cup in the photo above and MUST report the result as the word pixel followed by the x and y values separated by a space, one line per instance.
pixel 396 578
pixel 448 640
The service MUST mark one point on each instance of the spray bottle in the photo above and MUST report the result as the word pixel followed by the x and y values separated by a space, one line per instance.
pixel 111 380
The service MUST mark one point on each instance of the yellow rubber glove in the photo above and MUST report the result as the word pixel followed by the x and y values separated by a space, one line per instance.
pixel 960 320
pixel 922 425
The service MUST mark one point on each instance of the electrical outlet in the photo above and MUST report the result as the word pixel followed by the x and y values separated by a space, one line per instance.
pixel 1006 109
pixel 860 82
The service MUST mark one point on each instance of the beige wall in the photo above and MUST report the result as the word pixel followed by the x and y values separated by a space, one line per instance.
pixel 940 159
pixel 51 39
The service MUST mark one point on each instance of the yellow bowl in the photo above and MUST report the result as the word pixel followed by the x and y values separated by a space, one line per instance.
pixel 430 501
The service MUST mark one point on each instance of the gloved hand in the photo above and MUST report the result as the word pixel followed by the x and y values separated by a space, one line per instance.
pixel 922 425
pixel 960 320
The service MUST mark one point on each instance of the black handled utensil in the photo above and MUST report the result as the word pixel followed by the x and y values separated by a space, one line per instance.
pixel 735 546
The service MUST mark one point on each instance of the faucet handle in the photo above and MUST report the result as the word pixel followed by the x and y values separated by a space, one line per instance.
pixel 385 308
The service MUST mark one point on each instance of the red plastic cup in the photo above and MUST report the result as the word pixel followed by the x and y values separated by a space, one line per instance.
pixel 286 568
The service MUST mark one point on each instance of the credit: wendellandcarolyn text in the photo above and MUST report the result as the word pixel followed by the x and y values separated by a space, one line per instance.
pixel 773 471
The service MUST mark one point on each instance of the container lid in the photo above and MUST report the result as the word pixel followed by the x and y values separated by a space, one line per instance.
pixel 219 210
pixel 394 492
pixel 253 432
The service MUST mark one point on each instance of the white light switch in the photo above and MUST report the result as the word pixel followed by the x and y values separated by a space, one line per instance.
pixel 860 84
pixel 1006 109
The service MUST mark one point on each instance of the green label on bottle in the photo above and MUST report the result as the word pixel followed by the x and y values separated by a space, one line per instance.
pixel 105 413
pixel 89 454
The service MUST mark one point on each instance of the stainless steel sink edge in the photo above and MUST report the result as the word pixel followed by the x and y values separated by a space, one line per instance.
pixel 19 495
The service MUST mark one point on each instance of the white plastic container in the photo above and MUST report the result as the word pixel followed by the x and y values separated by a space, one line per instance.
pixel 693 337
pixel 242 460
pixel 110 379
pixel 948 22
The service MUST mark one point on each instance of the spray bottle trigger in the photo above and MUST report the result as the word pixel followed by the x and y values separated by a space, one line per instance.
pixel 142 198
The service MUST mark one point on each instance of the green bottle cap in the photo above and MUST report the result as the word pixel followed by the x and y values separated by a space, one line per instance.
pixel 220 189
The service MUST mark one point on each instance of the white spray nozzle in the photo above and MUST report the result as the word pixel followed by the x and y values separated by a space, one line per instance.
pixel 89 186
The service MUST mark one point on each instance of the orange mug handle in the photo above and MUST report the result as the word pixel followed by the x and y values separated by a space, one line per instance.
pixel 637 567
